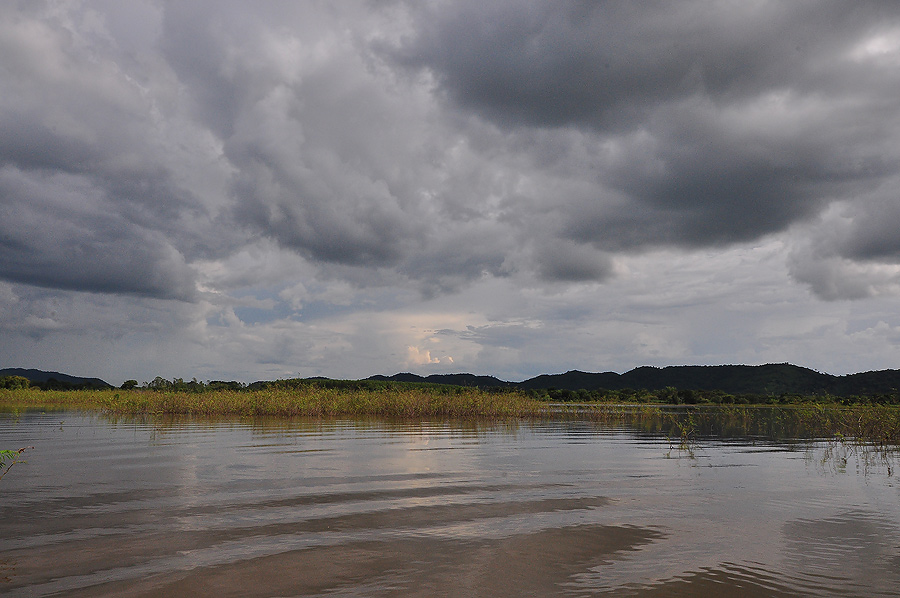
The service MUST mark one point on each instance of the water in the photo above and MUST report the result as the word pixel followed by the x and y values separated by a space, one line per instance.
pixel 367 508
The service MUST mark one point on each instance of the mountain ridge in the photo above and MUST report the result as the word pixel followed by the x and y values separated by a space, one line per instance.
pixel 44 378
pixel 767 379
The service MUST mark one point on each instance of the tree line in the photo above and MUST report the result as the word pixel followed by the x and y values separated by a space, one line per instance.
pixel 669 395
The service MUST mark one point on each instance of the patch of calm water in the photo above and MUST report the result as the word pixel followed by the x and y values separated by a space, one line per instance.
pixel 367 508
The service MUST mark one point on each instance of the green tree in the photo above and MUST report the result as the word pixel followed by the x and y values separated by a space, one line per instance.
pixel 14 382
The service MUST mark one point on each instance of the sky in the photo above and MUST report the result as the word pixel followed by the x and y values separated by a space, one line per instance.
pixel 250 191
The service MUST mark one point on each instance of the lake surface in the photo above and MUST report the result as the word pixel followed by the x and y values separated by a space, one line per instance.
pixel 370 508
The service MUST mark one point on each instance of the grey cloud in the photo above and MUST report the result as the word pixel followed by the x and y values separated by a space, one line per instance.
pixel 465 140
pixel 871 232
pixel 104 187
pixel 609 64
pixel 832 277
pixel 568 262
pixel 715 124
pixel 852 251
pixel 348 167
pixel 58 104
pixel 310 135
pixel 196 43
pixel 708 184
pixel 57 231
pixel 362 172
pixel 457 255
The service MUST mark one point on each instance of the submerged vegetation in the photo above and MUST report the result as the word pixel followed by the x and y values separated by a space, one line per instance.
pixel 876 424
pixel 8 458
pixel 681 396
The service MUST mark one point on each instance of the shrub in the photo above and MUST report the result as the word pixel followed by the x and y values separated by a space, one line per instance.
pixel 14 382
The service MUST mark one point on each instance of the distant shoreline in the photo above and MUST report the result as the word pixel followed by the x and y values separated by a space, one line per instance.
pixel 767 380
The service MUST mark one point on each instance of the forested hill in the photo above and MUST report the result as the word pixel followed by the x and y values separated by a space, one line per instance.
pixel 54 380
pixel 452 379
pixel 763 379
pixel 770 379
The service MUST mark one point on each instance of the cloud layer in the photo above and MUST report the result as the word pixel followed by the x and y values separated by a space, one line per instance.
pixel 263 170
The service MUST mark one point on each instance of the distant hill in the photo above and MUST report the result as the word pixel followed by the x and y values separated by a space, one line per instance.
pixel 575 380
pixel 760 379
pixel 867 383
pixel 451 379
pixel 55 379
pixel 769 379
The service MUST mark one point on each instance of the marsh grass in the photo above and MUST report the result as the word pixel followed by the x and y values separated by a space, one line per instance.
pixel 878 425
pixel 306 401
pixel 873 423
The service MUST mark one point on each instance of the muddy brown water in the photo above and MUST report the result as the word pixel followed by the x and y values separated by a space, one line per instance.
pixel 371 508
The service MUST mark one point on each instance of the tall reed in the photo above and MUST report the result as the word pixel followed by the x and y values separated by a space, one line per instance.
pixel 310 400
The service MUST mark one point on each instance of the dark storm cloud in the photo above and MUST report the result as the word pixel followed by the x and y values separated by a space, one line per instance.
pixel 60 233
pixel 873 232
pixel 609 65
pixel 567 262
pixel 716 123
pixel 101 180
